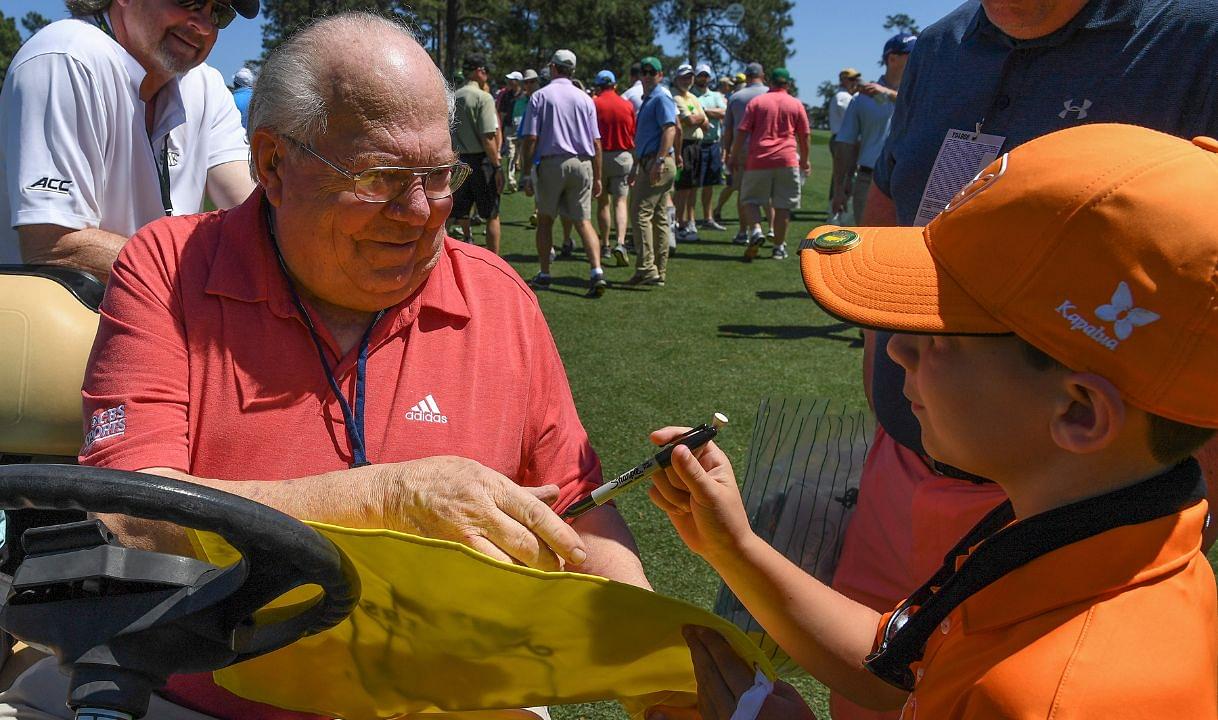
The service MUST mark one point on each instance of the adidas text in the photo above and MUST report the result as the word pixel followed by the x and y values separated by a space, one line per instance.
pixel 426 417
pixel 1080 324
pixel 426 410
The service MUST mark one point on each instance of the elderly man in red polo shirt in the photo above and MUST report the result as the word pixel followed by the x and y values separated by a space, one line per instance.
pixel 325 350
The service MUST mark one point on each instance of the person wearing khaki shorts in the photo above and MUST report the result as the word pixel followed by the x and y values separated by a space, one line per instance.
pixel 564 187
pixel 614 194
pixel 772 186
pixel 560 127
pixel 615 118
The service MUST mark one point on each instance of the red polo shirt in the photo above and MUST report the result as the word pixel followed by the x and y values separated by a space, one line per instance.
pixel 615 118
pixel 773 121
pixel 202 364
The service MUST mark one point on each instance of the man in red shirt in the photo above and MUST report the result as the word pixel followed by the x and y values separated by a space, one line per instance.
pixel 615 117
pixel 325 350
pixel 777 128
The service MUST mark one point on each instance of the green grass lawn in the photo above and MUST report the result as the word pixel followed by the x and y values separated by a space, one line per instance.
pixel 721 335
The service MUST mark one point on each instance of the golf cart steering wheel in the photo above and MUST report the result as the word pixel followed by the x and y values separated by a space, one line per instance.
pixel 123 619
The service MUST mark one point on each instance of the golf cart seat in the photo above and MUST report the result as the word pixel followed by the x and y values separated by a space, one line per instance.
pixel 48 317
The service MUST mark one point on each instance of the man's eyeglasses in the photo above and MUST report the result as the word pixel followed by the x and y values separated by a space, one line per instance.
pixel 222 14
pixel 382 184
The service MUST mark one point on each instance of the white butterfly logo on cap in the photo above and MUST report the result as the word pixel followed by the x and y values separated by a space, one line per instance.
pixel 1122 314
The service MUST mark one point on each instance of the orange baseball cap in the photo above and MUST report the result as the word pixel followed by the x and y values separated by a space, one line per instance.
pixel 1097 244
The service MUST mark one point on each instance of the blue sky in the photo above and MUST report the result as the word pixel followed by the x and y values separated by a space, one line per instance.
pixel 828 35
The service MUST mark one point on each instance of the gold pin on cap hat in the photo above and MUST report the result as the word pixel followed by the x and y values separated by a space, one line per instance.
pixel 834 242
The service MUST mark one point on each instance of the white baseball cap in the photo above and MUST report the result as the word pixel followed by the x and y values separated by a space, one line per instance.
pixel 514 75
pixel 564 58
pixel 684 69
pixel 704 68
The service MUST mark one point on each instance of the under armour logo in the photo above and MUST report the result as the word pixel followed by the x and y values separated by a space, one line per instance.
pixel 1122 314
pixel 1072 108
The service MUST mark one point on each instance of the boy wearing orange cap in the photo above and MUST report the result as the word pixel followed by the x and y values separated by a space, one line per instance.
pixel 1062 335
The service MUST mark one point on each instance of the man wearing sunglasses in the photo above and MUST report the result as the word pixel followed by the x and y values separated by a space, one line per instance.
pixel 109 120
pixel 324 349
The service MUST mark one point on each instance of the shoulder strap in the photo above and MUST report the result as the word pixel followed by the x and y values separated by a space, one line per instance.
pixel 1000 550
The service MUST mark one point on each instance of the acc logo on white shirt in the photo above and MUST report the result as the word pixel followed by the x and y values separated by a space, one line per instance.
pixel 427 411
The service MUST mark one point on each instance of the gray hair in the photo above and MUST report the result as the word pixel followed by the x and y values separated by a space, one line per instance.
pixel 79 8
pixel 290 92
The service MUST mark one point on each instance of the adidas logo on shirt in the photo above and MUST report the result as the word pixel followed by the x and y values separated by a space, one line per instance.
pixel 427 411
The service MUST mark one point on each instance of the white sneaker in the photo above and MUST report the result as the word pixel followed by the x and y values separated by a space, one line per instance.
pixel 620 256
pixel 710 224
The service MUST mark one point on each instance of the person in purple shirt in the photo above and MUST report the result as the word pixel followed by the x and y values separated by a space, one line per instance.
pixel 560 127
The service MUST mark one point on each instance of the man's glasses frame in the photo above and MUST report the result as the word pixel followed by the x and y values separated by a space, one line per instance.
pixel 222 14
pixel 384 183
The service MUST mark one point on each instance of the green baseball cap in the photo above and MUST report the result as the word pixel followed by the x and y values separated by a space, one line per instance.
pixel 780 75
pixel 652 63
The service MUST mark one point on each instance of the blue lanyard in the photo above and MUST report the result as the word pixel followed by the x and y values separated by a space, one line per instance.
pixel 353 421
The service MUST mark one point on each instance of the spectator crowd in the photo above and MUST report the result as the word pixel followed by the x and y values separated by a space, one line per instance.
pixel 650 156
pixel 1029 533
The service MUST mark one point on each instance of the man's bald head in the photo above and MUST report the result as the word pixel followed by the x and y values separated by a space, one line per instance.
pixel 353 66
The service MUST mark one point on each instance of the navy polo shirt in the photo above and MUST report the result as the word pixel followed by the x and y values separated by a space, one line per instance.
pixel 1146 62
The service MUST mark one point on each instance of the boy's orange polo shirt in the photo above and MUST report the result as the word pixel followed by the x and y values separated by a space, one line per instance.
pixel 1121 625
pixel 1096 245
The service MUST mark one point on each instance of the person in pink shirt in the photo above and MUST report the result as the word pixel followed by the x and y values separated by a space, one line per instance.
pixel 776 125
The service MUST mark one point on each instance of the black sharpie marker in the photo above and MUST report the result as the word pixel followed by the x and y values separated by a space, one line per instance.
pixel 695 438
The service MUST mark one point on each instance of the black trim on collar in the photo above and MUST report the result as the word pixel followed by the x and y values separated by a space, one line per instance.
pixel 1002 547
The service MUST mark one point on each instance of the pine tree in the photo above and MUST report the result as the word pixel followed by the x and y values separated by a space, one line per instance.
pixel 10 43
pixel 711 37
pixel 902 23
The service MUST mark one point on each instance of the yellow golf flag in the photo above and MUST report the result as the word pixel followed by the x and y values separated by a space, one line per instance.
pixel 441 627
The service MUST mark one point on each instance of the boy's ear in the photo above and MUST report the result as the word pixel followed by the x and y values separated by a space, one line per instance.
pixel 1090 416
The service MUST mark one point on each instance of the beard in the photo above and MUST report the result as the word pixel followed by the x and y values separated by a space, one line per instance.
pixel 171 61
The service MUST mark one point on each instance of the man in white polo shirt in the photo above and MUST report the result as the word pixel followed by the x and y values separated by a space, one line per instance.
pixel 109 120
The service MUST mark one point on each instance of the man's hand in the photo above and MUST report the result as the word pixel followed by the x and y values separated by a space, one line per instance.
pixel 722 678
pixel 805 167
pixel 698 492
pixel 454 498
pixel 597 187
pixel 500 179
pixel 839 201
pixel 633 175
pixel 657 168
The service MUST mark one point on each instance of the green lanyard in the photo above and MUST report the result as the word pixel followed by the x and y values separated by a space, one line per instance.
pixel 162 160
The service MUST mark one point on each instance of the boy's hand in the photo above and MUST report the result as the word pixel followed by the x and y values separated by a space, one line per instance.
pixel 699 494
pixel 722 678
